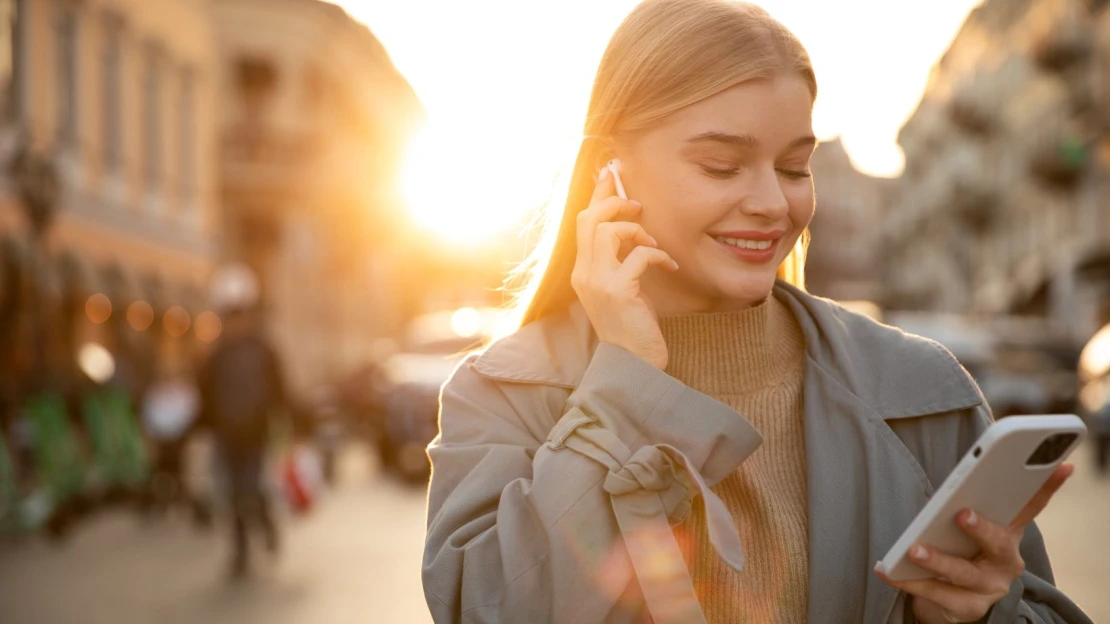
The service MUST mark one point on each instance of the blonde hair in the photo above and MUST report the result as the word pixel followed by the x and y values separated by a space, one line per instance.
pixel 666 55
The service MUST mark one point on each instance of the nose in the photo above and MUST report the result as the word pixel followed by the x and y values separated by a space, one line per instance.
pixel 764 196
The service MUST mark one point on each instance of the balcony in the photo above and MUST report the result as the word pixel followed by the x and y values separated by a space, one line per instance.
pixel 971 118
pixel 1060 163
pixel 976 204
pixel 1063 48
pixel 971 109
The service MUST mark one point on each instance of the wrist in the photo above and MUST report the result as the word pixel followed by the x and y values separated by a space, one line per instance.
pixel 657 362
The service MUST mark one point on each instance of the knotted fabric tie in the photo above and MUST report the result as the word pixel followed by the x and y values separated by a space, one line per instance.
pixel 643 487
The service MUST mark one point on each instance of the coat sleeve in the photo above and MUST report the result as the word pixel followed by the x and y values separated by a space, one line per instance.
pixel 520 528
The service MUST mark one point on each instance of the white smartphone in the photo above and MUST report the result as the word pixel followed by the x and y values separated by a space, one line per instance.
pixel 614 168
pixel 996 478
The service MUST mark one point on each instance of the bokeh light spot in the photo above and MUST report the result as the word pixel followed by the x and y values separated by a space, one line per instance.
pixel 466 322
pixel 140 315
pixel 208 326
pixel 98 308
pixel 176 321
pixel 96 362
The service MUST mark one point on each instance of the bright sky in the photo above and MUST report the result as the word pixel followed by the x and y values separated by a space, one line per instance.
pixel 506 83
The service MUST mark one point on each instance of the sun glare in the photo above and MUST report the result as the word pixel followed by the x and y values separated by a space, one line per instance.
pixel 459 187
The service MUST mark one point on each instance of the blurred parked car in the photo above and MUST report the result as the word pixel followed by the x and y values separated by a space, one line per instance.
pixel 1021 365
pixel 433 346
pixel 1094 374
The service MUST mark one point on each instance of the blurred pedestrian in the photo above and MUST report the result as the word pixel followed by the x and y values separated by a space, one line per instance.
pixel 169 411
pixel 241 389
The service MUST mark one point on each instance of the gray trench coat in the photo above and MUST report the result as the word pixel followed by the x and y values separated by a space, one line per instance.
pixel 562 465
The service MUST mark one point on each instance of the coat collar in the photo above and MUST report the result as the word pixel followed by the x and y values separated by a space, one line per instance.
pixel 897 375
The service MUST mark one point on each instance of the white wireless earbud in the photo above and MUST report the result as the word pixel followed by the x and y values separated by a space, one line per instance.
pixel 614 167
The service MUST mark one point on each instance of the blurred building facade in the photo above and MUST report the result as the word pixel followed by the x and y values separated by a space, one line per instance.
pixel 1003 204
pixel 841 259
pixel 107 183
pixel 312 129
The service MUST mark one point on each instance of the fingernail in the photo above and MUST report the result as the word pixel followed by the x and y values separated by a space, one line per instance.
pixel 674 265
pixel 972 519
pixel 604 174
pixel 920 553
pixel 654 243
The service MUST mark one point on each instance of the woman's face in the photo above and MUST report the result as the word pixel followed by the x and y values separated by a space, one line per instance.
pixel 726 191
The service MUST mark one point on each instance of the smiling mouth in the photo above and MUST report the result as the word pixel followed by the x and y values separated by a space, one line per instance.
pixel 749 251
pixel 741 243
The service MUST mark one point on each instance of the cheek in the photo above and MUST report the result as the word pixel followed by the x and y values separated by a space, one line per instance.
pixel 680 226
pixel 800 202
pixel 680 211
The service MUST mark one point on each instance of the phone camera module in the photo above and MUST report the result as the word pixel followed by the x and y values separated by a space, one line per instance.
pixel 1051 449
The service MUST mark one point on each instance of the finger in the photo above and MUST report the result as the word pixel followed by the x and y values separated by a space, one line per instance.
pixel 955 570
pixel 610 236
pixel 641 258
pixel 602 211
pixel 996 542
pixel 1041 498
pixel 587 221
pixel 604 186
pixel 947 596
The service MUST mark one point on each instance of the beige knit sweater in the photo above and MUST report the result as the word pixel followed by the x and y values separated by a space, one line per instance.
pixel 752 360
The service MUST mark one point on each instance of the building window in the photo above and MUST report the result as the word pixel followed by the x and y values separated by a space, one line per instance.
pixel 110 71
pixel 256 79
pixel 187 139
pixel 67 74
pixel 152 116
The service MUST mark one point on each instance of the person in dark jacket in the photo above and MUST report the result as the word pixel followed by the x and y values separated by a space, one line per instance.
pixel 241 388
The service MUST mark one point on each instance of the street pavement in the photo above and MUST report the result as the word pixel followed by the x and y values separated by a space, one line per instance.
pixel 357 559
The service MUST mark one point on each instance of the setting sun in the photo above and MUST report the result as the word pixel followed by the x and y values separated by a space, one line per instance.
pixel 461 188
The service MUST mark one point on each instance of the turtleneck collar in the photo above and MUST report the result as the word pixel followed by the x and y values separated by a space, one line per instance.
pixel 734 352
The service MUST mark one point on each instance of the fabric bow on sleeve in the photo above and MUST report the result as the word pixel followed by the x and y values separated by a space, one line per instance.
pixel 650 490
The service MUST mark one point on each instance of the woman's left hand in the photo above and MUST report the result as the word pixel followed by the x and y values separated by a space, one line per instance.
pixel 967 588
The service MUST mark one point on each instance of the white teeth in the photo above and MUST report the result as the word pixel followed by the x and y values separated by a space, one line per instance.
pixel 745 244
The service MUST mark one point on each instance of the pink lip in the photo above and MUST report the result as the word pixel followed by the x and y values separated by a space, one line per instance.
pixel 752 235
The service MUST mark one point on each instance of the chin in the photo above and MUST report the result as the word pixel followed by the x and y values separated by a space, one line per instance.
pixel 748 286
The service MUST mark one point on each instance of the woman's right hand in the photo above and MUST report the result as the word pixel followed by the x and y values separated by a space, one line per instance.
pixel 609 288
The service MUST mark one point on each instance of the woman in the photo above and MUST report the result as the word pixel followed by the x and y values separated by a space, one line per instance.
pixel 668 353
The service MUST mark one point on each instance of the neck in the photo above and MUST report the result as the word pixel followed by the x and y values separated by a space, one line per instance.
pixel 734 352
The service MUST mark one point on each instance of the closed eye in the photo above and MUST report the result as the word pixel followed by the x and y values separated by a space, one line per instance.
pixel 719 172
pixel 795 174
pixel 716 172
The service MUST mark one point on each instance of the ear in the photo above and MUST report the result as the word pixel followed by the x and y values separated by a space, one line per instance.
pixel 603 152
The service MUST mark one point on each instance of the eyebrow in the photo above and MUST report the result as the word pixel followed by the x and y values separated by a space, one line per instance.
pixel 746 141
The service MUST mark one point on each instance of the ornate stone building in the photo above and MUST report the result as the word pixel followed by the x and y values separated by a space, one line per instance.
pixel 841 263
pixel 312 130
pixel 108 206
pixel 1003 204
